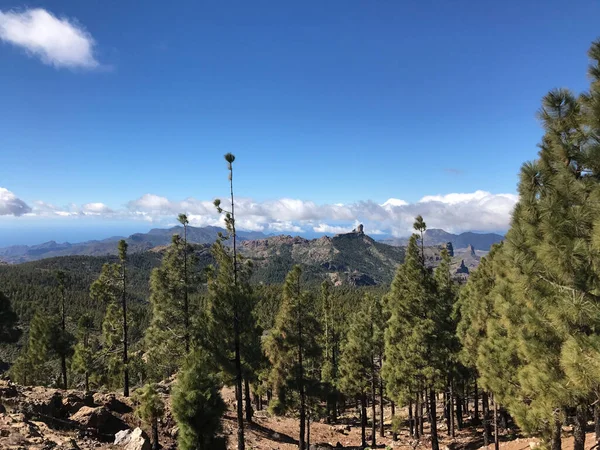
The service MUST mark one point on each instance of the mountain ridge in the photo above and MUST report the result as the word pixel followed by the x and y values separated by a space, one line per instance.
pixel 156 237
pixel 436 236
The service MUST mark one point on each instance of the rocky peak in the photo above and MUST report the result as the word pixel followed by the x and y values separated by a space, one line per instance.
pixel 359 229
pixel 471 250
pixel 462 268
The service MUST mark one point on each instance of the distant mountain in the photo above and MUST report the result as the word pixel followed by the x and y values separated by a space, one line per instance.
pixel 434 236
pixel 138 242
pixel 349 258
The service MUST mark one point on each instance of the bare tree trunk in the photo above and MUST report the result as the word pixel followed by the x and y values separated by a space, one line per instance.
pixel 381 431
pixel 373 406
pixel 433 420
pixel 486 419
pixel 308 429
pixel 415 420
pixel 476 404
pixel 452 429
pixel 249 411
pixel 155 444
pixel 363 419
pixel 447 411
pixel 579 428
pixel 421 418
pixel 496 436
pixel 597 420
pixel 556 443
pixel 459 412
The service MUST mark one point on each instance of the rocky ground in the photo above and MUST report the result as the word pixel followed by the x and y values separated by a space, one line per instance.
pixel 42 419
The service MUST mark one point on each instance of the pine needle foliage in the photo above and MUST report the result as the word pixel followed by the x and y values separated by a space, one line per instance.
pixel 197 403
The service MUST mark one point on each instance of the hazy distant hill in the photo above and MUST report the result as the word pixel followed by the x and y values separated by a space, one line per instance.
pixel 434 236
pixel 138 242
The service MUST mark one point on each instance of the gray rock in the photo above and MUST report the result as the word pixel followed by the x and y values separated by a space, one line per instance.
pixel 133 440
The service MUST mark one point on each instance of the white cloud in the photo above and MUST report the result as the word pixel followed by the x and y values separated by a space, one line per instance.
pixel 96 209
pixel 331 229
pixel 10 205
pixel 390 203
pixel 59 42
pixel 455 212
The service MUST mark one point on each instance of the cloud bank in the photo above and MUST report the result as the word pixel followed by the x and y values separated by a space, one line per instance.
pixel 456 212
pixel 58 42
pixel 10 205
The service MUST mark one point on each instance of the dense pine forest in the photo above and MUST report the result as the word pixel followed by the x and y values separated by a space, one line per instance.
pixel 516 346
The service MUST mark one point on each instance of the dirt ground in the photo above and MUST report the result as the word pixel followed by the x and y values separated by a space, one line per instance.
pixel 28 420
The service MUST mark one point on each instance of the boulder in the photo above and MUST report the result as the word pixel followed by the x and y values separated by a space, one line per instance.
pixel 73 403
pixel 133 440
pixel 99 419
pixel 112 403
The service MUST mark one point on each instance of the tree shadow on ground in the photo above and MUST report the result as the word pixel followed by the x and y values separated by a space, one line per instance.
pixel 267 433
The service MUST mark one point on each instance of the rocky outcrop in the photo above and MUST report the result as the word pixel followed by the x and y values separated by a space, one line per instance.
pixel 462 269
pixel 101 420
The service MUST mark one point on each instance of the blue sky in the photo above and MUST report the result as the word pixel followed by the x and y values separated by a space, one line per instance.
pixel 324 104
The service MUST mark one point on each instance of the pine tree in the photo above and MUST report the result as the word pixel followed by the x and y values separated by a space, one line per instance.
pixel 123 260
pixel 8 321
pixel 197 403
pixel 331 347
pixel 415 348
pixel 84 359
pixel 61 277
pixel 289 345
pixel 167 338
pixel 109 289
pixel 230 305
pixel 544 303
pixel 151 408
pixel 358 362
pixel 44 335
pixel 183 220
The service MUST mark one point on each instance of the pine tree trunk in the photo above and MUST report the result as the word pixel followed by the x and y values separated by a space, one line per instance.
pixel 459 412
pixel 87 381
pixel 363 419
pixel 452 427
pixel 308 430
pixel 421 417
pixel 63 365
pixel 597 420
pixel 486 419
pixel 381 430
pixel 238 387
pixel 579 427
pixel 394 433
pixel 427 402
pixel 476 404
pixel 249 411
pixel 447 409
pixel 373 407
pixel 556 443
pixel 414 420
pixel 496 434
pixel 155 444
pixel 433 420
